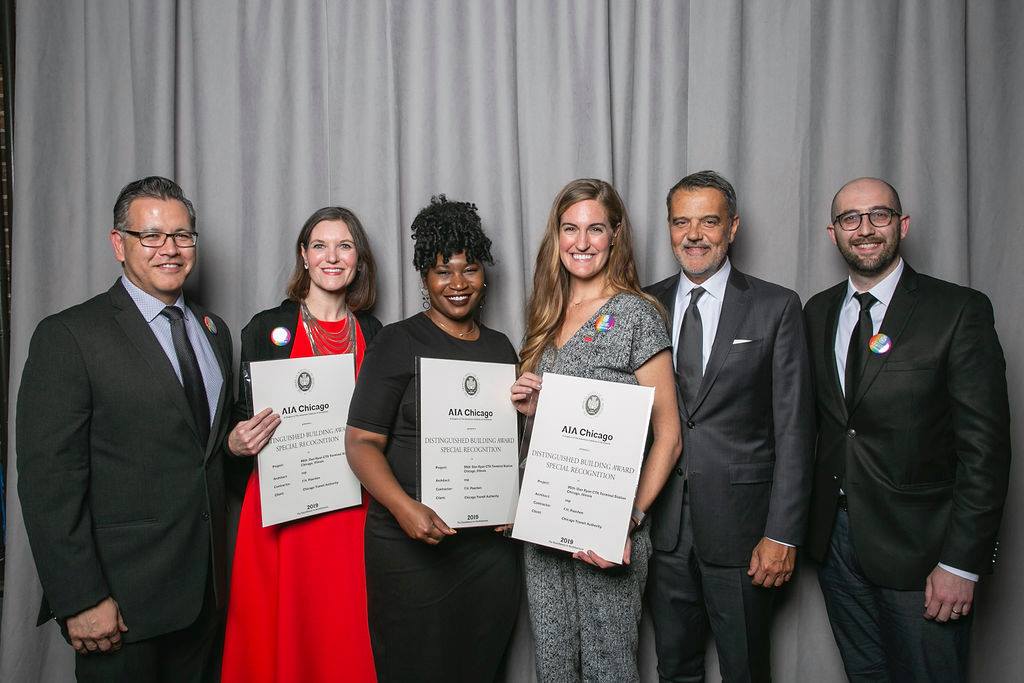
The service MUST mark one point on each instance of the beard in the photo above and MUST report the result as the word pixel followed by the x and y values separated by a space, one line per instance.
pixel 698 272
pixel 872 265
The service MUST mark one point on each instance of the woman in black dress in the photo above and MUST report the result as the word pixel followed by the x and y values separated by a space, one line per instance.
pixel 442 604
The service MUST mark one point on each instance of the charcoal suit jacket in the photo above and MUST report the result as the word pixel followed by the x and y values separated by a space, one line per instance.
pixel 120 497
pixel 748 437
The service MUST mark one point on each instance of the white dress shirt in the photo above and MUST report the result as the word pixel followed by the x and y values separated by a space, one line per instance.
pixel 709 306
pixel 848 316
pixel 850 313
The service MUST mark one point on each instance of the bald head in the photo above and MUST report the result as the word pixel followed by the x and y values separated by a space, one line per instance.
pixel 864 185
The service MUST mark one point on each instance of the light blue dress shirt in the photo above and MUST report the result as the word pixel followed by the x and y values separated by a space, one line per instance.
pixel 150 307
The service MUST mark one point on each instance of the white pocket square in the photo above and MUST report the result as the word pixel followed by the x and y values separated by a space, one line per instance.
pixel 741 341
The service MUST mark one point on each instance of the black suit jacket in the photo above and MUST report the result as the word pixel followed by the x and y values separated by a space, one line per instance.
pixel 120 498
pixel 748 440
pixel 926 447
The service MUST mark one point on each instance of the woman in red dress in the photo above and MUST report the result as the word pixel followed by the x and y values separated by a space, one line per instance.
pixel 297 611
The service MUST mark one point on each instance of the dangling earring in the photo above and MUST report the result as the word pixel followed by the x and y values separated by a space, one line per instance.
pixel 305 265
pixel 426 299
pixel 483 299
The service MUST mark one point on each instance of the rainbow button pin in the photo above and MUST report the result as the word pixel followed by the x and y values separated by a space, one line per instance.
pixel 280 336
pixel 880 344
pixel 604 322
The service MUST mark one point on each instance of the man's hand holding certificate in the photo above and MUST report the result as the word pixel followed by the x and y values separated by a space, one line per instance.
pixel 584 464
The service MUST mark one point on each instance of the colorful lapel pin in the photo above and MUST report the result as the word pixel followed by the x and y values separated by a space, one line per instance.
pixel 604 322
pixel 280 336
pixel 880 344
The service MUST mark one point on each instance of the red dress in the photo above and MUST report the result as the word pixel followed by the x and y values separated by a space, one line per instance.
pixel 297 612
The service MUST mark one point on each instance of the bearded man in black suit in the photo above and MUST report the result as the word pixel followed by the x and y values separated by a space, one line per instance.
pixel 913 448
pixel 123 402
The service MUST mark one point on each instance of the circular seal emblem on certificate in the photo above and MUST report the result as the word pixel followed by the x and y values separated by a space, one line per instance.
pixel 470 385
pixel 304 380
pixel 592 406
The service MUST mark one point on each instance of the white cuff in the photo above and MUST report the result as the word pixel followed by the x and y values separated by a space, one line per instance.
pixel 959 572
pixel 788 545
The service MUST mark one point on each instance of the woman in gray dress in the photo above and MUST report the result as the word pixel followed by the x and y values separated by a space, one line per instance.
pixel 589 318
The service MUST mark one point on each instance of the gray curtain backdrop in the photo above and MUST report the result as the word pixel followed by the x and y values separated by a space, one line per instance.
pixel 267 110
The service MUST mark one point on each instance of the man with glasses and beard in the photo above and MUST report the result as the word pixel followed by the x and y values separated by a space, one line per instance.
pixel 913 449
pixel 122 407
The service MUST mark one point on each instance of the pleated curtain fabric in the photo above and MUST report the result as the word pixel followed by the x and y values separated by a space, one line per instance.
pixel 267 111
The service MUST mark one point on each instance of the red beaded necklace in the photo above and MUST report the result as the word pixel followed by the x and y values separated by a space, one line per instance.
pixel 324 342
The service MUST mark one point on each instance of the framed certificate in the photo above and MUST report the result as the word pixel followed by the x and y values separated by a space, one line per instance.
pixel 303 470
pixel 469 448
pixel 583 465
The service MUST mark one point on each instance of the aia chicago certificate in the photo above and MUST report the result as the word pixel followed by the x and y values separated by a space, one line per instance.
pixel 303 470
pixel 469 447
pixel 583 465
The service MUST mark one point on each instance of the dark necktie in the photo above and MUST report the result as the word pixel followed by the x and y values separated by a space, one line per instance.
pixel 689 354
pixel 191 376
pixel 857 354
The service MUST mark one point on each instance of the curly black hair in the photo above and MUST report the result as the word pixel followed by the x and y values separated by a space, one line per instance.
pixel 445 227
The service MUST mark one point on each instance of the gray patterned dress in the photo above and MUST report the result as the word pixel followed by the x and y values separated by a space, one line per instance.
pixel 585 620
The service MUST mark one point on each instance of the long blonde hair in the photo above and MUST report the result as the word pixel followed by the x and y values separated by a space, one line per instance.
pixel 550 297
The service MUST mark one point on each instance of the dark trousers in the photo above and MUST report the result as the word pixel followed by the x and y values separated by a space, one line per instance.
pixel 881 632
pixel 191 655
pixel 688 596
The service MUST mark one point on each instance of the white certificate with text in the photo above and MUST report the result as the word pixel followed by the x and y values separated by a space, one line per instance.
pixel 303 470
pixel 583 465
pixel 469 444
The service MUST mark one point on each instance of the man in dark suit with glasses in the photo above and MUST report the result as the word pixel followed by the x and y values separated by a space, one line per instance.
pixel 123 401
pixel 913 448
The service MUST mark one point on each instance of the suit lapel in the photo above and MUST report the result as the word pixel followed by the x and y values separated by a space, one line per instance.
pixel 734 310
pixel 835 389
pixel 665 292
pixel 137 330
pixel 288 318
pixel 224 362
pixel 667 297
pixel 898 313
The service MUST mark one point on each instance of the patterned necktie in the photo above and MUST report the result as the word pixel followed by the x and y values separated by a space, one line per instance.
pixel 857 353
pixel 689 354
pixel 191 376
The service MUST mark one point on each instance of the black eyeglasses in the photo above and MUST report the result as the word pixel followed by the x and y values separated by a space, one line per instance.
pixel 155 239
pixel 851 220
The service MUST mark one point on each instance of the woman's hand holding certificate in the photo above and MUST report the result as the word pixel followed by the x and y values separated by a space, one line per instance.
pixel 421 523
pixel 583 467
